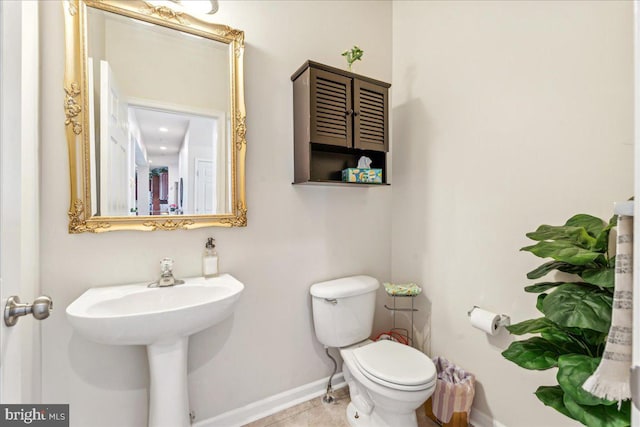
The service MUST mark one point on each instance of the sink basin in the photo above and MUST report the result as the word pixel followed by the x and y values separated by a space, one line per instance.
pixel 137 314
pixel 162 319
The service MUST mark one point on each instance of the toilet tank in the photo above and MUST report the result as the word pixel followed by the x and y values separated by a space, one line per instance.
pixel 343 309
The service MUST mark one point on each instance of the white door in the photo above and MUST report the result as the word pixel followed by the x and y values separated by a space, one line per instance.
pixel 635 376
pixel 114 146
pixel 19 211
pixel 205 187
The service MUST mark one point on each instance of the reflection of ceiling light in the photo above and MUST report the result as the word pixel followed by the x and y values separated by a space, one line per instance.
pixel 199 6
pixel 150 161
pixel 163 148
pixel 163 129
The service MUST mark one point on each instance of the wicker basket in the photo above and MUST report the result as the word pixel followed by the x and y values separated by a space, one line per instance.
pixel 458 419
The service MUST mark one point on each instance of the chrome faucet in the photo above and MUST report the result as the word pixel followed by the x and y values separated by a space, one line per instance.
pixel 166 275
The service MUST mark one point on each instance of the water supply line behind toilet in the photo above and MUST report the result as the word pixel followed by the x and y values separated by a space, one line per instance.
pixel 328 396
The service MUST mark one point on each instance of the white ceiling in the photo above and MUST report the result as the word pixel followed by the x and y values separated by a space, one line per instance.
pixel 151 121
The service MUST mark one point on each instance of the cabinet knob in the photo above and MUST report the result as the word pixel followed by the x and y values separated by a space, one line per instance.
pixel 348 113
pixel 355 113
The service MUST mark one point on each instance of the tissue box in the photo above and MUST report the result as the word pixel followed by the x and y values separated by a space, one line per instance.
pixel 371 176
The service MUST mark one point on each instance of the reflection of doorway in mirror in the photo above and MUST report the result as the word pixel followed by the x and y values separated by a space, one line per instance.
pixel 205 187
pixel 191 147
pixel 114 147
pixel 93 157
pixel 159 191
pixel 140 136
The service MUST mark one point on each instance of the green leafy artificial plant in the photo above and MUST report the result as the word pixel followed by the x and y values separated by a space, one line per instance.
pixel 352 55
pixel 572 332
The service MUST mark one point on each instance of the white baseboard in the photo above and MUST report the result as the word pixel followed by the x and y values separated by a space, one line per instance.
pixel 480 419
pixel 273 404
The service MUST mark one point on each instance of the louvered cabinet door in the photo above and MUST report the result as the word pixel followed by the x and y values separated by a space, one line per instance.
pixel 370 123
pixel 331 109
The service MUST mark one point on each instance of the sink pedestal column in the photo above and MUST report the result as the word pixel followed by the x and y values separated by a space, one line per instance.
pixel 168 390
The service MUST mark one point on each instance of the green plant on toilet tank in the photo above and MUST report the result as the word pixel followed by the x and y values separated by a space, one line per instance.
pixel 572 332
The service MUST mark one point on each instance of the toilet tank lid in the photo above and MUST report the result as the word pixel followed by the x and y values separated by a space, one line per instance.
pixel 344 287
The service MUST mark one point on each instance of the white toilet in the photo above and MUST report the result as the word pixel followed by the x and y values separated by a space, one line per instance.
pixel 387 381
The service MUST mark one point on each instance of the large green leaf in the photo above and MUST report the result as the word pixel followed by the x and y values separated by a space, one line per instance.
pixel 549 266
pixel 573 371
pixel 564 341
pixel 545 286
pixel 576 235
pixel 564 251
pixel 553 396
pixel 534 353
pixel 541 287
pixel 601 276
pixel 577 306
pixel 561 339
pixel 593 338
pixel 540 301
pixel 592 224
pixel 600 415
pixel 530 326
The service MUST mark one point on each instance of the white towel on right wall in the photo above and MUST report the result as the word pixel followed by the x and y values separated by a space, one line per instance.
pixel 611 378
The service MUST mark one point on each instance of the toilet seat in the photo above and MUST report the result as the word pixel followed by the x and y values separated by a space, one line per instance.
pixel 395 365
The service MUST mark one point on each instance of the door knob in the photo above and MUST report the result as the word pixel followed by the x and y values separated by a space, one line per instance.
pixel 41 308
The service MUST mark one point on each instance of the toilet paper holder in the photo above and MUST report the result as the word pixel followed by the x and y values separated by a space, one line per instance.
pixel 504 319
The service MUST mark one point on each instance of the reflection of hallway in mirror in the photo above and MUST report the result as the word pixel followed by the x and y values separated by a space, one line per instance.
pixel 159 188
pixel 185 159
pixel 155 195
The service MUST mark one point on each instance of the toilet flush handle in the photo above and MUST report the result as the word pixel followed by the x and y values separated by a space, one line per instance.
pixel 331 301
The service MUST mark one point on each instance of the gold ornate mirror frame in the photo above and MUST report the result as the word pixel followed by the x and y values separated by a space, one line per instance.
pixel 77 120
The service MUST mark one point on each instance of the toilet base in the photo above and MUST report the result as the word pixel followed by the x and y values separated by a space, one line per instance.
pixel 357 419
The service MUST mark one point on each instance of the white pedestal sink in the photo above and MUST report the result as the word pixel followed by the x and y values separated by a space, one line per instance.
pixel 162 319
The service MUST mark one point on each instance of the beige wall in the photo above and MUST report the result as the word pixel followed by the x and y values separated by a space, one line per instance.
pixel 296 235
pixel 506 115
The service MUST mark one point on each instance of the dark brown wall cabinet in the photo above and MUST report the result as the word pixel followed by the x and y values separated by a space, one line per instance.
pixel 338 117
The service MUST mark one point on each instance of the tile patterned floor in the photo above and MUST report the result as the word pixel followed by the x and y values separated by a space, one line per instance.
pixel 315 413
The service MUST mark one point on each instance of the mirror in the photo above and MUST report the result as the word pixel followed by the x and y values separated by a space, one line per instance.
pixel 155 118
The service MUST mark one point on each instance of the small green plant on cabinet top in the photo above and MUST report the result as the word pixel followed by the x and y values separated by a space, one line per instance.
pixel 352 55
pixel 572 332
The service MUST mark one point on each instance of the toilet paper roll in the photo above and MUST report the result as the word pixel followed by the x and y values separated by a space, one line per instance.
pixel 485 320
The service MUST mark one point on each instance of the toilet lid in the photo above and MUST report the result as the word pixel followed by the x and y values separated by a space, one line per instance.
pixel 395 363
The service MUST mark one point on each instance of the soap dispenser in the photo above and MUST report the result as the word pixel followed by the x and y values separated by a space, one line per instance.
pixel 210 259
